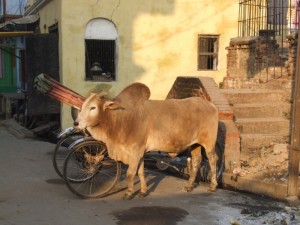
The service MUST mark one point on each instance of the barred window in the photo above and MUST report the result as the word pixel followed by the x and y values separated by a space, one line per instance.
pixel 100 50
pixel 100 60
pixel 208 48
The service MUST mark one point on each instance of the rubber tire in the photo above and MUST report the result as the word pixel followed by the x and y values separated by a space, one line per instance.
pixel 62 145
pixel 59 155
pixel 91 180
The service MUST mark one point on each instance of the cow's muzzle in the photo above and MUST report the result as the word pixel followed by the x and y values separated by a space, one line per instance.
pixel 76 125
pixel 80 125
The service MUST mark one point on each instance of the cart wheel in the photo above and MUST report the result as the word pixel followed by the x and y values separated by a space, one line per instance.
pixel 89 172
pixel 162 163
pixel 61 151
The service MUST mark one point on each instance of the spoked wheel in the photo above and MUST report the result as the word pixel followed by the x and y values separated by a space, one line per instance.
pixel 89 172
pixel 61 151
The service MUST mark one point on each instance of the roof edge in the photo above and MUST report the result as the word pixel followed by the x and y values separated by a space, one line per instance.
pixel 36 6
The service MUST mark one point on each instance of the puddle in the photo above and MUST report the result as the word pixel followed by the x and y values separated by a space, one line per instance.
pixel 55 181
pixel 154 215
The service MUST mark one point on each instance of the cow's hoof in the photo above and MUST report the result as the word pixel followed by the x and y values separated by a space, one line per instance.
pixel 188 188
pixel 142 195
pixel 211 189
pixel 128 197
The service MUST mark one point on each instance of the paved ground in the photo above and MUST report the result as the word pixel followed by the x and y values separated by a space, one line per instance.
pixel 32 194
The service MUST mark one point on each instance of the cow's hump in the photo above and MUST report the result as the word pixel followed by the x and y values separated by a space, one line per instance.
pixel 133 94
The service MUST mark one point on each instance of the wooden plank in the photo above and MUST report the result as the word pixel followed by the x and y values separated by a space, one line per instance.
pixel 295 136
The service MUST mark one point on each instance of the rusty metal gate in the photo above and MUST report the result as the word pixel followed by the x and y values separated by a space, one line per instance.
pixel 41 57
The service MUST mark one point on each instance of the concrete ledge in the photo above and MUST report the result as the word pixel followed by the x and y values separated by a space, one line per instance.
pixel 257 186
pixel 213 93
pixel 243 41
pixel 232 149
pixel 16 129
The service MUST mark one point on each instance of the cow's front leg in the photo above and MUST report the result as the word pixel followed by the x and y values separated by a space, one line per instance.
pixel 144 188
pixel 130 174
pixel 196 159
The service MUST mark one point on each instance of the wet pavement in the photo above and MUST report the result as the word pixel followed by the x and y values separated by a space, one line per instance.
pixel 31 193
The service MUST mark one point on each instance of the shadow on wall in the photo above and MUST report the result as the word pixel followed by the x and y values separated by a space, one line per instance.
pixel 153 7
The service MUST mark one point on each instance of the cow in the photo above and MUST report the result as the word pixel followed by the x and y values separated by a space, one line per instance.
pixel 142 125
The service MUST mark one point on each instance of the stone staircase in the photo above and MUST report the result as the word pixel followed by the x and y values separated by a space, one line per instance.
pixel 262 115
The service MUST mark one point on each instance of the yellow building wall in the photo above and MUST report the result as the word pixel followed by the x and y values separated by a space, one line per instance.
pixel 157 40
pixel 49 15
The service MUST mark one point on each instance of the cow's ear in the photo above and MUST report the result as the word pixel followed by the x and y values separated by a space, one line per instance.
pixel 113 106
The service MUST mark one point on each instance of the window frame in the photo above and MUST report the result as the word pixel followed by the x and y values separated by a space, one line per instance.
pixel 102 30
pixel 107 67
pixel 212 62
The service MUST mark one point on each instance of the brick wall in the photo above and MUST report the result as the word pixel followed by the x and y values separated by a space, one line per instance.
pixel 255 60
pixel 248 56
pixel 293 40
pixel 241 57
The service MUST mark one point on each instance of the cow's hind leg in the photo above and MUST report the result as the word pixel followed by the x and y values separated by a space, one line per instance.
pixel 144 188
pixel 211 155
pixel 196 159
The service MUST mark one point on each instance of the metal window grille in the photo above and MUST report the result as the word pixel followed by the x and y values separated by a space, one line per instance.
pixel 100 60
pixel 278 16
pixel 272 20
pixel 208 47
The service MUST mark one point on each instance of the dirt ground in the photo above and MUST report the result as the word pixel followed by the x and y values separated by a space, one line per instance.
pixel 268 164
pixel 33 194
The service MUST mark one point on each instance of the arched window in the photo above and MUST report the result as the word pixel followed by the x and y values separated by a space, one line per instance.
pixel 101 50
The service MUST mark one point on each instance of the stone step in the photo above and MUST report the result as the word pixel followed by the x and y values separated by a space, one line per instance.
pixel 235 96
pixel 240 83
pixel 280 82
pixel 250 142
pixel 258 110
pixel 268 125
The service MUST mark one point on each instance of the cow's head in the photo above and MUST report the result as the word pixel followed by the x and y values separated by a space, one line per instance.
pixel 93 111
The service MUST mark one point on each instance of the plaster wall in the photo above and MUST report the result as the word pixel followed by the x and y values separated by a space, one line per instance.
pixel 157 40
pixel 49 15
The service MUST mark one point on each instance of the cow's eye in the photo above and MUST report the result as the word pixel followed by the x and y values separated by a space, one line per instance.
pixel 92 108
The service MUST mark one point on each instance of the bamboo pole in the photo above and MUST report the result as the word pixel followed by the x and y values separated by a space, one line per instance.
pixel 47 85
pixel 294 155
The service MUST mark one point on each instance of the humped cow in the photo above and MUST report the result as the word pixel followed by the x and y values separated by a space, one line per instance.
pixel 142 125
